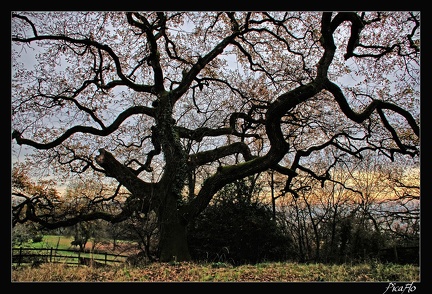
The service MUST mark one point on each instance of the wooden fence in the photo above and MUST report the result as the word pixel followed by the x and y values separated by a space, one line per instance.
pixel 36 256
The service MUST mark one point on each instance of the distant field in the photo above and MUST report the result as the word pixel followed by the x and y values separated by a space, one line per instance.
pixel 53 248
pixel 64 242
pixel 60 242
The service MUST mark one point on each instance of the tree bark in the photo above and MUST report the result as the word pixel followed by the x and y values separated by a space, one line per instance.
pixel 173 240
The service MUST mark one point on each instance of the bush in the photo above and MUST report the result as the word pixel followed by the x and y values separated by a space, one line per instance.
pixel 239 233
pixel 37 238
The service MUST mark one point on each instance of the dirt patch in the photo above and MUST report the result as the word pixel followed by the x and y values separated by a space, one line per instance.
pixel 121 248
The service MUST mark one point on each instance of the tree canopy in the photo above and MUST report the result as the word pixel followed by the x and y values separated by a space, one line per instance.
pixel 163 109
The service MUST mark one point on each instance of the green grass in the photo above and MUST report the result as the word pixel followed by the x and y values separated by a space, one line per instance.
pixel 53 241
pixel 50 241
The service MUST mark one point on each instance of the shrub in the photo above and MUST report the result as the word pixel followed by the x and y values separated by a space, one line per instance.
pixel 239 233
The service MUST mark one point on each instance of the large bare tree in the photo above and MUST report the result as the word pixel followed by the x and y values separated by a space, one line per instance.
pixel 172 106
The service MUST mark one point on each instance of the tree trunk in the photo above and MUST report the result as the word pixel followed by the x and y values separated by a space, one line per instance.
pixel 173 233
pixel 173 242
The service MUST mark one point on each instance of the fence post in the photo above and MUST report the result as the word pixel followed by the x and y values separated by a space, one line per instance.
pixel 20 256
pixel 395 254
pixel 106 257
pixel 51 254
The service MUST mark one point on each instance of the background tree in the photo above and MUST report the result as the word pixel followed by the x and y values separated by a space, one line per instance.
pixel 143 229
pixel 357 214
pixel 172 106
pixel 401 213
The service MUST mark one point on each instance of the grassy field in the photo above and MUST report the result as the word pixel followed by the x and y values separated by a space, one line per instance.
pixel 64 242
pixel 219 272
pixel 210 272
pixel 50 241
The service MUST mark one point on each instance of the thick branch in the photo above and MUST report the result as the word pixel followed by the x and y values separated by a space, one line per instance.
pixel 85 130
pixel 112 218
pixel 125 176
pixel 215 154
pixel 356 27
pixel 200 133
pixel 375 104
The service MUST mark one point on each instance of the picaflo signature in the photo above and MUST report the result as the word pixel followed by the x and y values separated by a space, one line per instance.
pixel 393 287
